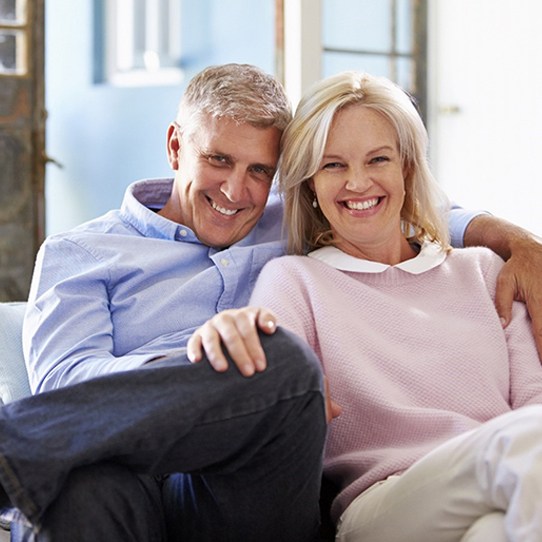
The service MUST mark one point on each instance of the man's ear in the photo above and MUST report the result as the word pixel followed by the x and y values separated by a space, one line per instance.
pixel 173 146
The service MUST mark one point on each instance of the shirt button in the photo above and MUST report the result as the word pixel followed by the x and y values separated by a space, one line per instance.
pixel 225 262
pixel 183 233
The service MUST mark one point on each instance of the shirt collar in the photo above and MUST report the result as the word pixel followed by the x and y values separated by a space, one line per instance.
pixel 143 198
pixel 431 255
pixel 141 202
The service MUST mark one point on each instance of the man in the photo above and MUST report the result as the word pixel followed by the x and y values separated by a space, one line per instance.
pixel 120 296
pixel 112 306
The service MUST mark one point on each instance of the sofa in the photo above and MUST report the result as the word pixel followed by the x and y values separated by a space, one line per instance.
pixel 14 385
pixel 13 377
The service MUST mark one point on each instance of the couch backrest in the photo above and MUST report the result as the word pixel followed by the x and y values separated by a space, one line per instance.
pixel 13 376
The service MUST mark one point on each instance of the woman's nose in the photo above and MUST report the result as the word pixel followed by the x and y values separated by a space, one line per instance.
pixel 358 180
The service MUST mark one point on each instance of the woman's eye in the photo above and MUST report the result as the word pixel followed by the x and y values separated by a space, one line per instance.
pixel 332 165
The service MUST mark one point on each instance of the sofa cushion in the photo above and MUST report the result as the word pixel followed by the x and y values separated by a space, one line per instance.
pixel 13 376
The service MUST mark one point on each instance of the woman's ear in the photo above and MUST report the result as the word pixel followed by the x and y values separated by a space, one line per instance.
pixel 173 145
pixel 310 184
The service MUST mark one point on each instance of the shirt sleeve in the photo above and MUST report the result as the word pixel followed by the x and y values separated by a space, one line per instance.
pixel 458 220
pixel 68 331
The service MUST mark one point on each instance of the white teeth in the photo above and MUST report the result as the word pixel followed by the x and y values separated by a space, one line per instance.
pixel 362 205
pixel 221 210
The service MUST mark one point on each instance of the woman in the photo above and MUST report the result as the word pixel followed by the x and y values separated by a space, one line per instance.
pixel 440 435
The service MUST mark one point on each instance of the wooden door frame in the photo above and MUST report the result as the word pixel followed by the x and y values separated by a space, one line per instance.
pixel 22 160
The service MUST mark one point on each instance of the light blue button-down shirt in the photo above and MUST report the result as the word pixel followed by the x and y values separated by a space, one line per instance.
pixel 132 285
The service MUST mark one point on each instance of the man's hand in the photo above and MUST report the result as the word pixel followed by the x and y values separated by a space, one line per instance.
pixel 333 409
pixel 237 331
pixel 521 277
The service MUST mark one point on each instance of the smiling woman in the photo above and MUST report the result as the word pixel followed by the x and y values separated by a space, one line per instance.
pixel 365 105
pixel 433 389
pixel 360 186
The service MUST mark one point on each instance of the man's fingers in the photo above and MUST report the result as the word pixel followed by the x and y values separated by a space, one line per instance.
pixel 234 331
pixel 193 348
pixel 537 332
pixel 210 341
pixel 267 321
pixel 504 296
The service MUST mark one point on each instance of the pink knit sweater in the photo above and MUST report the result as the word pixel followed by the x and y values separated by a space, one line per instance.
pixel 413 359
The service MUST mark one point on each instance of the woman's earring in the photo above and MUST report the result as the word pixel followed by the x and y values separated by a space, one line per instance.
pixel 315 203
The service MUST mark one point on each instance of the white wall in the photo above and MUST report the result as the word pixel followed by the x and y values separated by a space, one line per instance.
pixel 486 105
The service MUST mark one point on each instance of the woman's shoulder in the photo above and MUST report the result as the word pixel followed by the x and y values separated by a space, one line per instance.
pixel 479 257
pixel 291 262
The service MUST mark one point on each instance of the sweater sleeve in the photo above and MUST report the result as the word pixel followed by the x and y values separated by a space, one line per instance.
pixel 525 364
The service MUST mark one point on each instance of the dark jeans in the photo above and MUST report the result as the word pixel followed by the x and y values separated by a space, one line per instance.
pixel 94 462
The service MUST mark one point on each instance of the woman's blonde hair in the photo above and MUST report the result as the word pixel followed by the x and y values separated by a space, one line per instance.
pixel 304 141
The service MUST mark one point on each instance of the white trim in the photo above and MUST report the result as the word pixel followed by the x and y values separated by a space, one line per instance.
pixel 431 255
pixel 302 46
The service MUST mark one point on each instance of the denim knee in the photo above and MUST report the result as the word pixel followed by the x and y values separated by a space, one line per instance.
pixel 296 360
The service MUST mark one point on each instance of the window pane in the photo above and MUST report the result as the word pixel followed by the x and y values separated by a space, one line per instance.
pixel 357 24
pixel 337 62
pixel 12 52
pixel 400 70
pixel 404 36
pixel 406 74
pixel 12 11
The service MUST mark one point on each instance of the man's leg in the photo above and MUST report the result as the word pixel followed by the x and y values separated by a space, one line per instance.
pixel 270 496
pixel 172 416
pixel 100 503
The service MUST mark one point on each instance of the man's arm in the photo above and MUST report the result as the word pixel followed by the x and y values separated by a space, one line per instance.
pixel 520 278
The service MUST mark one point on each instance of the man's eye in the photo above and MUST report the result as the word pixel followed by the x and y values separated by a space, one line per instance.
pixel 217 159
pixel 262 172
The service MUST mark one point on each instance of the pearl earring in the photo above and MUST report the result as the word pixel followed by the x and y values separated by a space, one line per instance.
pixel 315 203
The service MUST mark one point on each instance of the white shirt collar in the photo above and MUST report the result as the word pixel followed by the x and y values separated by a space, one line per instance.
pixel 429 256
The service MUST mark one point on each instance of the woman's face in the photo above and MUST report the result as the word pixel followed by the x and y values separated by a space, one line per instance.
pixel 360 184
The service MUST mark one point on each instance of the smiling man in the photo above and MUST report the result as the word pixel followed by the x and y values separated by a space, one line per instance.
pixel 223 173
pixel 155 448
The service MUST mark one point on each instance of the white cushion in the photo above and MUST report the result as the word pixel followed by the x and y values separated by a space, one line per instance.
pixel 13 376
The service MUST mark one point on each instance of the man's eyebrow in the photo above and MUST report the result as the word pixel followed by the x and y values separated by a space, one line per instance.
pixel 208 151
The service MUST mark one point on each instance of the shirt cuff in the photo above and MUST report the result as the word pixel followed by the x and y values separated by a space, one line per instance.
pixel 458 220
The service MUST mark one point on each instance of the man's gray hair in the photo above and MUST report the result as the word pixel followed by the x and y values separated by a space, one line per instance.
pixel 240 92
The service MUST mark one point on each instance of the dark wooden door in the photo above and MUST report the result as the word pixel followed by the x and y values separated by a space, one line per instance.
pixel 22 143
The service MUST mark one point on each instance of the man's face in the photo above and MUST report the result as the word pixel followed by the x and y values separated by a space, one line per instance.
pixel 223 173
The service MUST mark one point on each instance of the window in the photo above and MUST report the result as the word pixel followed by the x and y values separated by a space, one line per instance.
pixel 13 37
pixel 138 42
pixel 383 37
